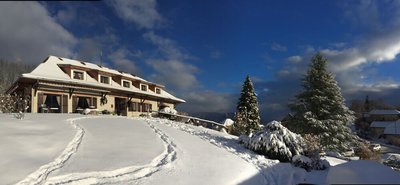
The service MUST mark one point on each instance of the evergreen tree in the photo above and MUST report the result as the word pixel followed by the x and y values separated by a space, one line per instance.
pixel 366 104
pixel 320 109
pixel 247 118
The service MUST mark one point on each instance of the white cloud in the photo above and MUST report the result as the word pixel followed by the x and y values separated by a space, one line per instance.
pixel 339 44
pixel 120 59
pixel 172 67
pixel 278 47
pixel 283 73
pixel 209 101
pixel 175 74
pixel 67 15
pixel 29 34
pixel 294 59
pixel 141 12
pixel 167 46
pixel 89 50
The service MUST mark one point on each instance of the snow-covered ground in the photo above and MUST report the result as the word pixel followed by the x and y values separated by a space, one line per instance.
pixel 76 149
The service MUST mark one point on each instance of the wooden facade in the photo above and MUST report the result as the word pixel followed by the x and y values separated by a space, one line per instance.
pixel 70 96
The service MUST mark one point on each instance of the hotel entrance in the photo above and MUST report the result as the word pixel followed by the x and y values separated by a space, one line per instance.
pixel 120 106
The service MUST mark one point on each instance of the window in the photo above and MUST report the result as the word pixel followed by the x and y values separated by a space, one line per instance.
pixel 126 83
pixel 146 107
pixel 133 106
pixel 143 87
pixel 104 79
pixel 80 75
pixel 158 90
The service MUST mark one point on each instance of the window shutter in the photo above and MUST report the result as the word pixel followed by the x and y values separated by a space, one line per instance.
pixel 64 104
pixel 94 103
pixel 74 103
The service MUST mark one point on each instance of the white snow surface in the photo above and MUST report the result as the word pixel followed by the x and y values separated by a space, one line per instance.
pixel 362 172
pixel 384 112
pixel 78 149
pixel 32 142
pixel 381 124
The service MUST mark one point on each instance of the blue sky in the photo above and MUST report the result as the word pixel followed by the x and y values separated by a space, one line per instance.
pixel 202 50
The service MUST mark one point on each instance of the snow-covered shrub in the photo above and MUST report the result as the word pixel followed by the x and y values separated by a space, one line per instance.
pixel 309 164
pixel 393 161
pixel 275 142
pixel 19 115
pixel 312 147
pixel 228 123
pixel 105 111
pixel 168 110
pixel 13 103
pixel 365 153
pixel 302 162
pixel 244 139
pixel 86 111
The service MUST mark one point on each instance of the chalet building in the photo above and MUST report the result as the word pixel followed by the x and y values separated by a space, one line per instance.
pixel 384 123
pixel 392 133
pixel 61 85
pixel 378 127
pixel 382 115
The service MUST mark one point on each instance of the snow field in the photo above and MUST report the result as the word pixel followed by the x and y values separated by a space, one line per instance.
pixel 119 150
pixel 125 174
pixel 27 144
pixel 41 174
pixel 76 149
pixel 200 162
pixel 272 171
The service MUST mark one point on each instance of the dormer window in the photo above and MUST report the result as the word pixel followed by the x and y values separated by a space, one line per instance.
pixel 158 90
pixel 104 79
pixel 126 83
pixel 79 75
pixel 143 87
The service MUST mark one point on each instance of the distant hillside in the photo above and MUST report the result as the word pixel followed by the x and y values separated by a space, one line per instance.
pixel 10 71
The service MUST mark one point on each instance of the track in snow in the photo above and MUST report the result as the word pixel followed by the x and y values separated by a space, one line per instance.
pixel 100 177
pixel 260 162
pixel 40 175
pixel 169 169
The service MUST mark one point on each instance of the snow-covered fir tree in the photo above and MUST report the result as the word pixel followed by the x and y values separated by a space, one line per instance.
pixel 320 109
pixel 247 118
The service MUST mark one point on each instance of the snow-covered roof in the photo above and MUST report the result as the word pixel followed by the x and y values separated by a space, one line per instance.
pixel 50 70
pixel 393 128
pixel 381 124
pixel 384 112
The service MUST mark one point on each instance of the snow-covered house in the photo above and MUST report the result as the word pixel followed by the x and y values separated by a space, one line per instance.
pixel 378 127
pixel 383 115
pixel 392 133
pixel 62 85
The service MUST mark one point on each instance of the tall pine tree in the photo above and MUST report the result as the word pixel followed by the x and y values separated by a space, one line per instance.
pixel 247 118
pixel 320 109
